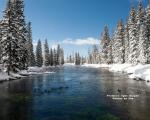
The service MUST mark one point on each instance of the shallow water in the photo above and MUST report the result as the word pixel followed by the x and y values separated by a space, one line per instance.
pixel 74 93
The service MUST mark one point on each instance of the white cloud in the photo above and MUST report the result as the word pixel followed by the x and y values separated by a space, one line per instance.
pixel 85 41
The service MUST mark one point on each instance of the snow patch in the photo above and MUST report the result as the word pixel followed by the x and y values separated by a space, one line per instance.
pixel 96 65
pixel 139 71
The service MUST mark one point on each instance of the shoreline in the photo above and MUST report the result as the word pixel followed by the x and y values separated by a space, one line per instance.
pixel 4 77
pixel 137 72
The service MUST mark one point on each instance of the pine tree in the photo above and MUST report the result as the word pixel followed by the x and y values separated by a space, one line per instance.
pixel 126 40
pixel 21 33
pixel 31 56
pixel 51 57
pixel 147 18
pixel 54 57
pixel 119 44
pixel 61 56
pixel 39 57
pixel 110 54
pixel 95 53
pixel 77 59
pixel 143 45
pixel 140 16
pixel 9 40
pixel 104 45
pixel 133 40
pixel 141 35
pixel 58 55
pixel 46 54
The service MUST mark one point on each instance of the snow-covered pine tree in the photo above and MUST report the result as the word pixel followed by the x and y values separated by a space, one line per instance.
pixel 119 44
pixel 95 55
pixel 51 57
pixel 143 45
pixel 112 45
pixel 9 40
pixel 77 59
pixel 39 56
pixel 110 54
pixel 133 40
pixel 31 56
pixel 141 34
pixel 104 45
pixel 46 54
pixel 89 59
pixel 126 40
pixel 147 18
pixel 21 33
pixel 54 57
pixel 61 56
pixel 58 55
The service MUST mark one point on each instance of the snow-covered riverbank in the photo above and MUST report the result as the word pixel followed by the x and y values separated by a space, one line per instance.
pixel 139 72
pixel 31 71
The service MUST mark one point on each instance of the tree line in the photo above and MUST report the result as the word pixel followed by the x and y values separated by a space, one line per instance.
pixel 76 59
pixel 16 44
pixel 51 57
pixel 130 42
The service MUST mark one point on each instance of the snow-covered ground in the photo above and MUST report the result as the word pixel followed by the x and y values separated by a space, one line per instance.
pixel 96 65
pixel 5 77
pixel 135 71
pixel 139 72
pixel 31 71
pixel 69 64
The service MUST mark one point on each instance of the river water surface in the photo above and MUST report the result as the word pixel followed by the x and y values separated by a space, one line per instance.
pixel 74 93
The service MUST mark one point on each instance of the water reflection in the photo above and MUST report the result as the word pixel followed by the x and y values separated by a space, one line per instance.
pixel 74 93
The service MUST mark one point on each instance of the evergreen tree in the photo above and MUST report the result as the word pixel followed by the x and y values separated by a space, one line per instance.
pixel 126 40
pixel 143 45
pixel 110 54
pixel 104 45
pixel 77 59
pixel 46 53
pixel 51 57
pixel 9 40
pixel 61 56
pixel 21 33
pixel 58 55
pixel 147 18
pixel 54 57
pixel 95 53
pixel 133 40
pixel 39 57
pixel 141 35
pixel 31 56
pixel 119 44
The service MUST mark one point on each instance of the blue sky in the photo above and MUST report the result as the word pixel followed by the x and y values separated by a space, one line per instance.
pixel 76 24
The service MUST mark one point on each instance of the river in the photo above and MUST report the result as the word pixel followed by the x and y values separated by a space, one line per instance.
pixel 75 93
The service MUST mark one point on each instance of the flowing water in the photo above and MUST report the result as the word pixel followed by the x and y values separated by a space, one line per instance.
pixel 75 93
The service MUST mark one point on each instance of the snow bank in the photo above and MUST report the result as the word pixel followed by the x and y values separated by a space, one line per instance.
pixel 119 67
pixel 39 70
pixel 69 64
pixel 31 71
pixel 5 77
pixel 96 65
pixel 139 72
